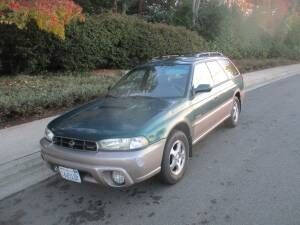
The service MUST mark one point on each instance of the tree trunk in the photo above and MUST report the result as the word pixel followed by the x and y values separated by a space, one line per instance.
pixel 196 6
pixel 124 7
pixel 141 7
pixel 115 6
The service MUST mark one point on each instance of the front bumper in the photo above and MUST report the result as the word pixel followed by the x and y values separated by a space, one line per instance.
pixel 96 167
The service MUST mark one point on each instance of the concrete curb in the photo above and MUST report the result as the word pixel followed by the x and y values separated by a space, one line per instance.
pixel 21 165
pixel 264 83
pixel 19 174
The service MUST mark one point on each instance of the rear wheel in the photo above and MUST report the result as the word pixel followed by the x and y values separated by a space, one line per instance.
pixel 175 158
pixel 233 120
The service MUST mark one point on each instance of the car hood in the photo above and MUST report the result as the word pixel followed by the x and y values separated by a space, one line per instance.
pixel 109 117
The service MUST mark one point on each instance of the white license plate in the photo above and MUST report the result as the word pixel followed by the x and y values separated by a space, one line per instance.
pixel 69 174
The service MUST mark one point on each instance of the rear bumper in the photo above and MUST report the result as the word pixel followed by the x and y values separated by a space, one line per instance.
pixel 96 167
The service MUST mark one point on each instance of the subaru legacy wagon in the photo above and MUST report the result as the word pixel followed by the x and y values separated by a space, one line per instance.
pixel 147 122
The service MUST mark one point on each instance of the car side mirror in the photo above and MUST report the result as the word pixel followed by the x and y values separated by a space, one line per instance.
pixel 203 88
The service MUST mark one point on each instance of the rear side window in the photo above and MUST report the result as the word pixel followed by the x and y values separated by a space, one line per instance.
pixel 201 75
pixel 217 72
pixel 229 67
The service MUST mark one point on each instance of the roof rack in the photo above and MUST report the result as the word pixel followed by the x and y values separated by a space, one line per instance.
pixel 165 57
pixel 197 55
pixel 208 54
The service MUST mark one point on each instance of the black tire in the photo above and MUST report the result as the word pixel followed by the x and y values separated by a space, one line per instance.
pixel 176 139
pixel 233 120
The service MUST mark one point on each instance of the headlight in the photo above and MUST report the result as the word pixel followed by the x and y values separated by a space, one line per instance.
pixel 123 143
pixel 49 135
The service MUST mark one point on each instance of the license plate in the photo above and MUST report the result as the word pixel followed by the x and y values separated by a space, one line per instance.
pixel 69 174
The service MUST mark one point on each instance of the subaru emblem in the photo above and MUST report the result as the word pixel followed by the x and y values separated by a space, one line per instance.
pixel 71 143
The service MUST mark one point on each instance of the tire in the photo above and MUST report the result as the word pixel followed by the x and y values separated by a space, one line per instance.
pixel 233 120
pixel 175 156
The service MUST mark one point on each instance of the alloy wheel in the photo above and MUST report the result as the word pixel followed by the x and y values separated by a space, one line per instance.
pixel 177 157
pixel 235 114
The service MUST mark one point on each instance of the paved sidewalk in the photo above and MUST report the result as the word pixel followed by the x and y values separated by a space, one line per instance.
pixel 262 77
pixel 20 162
pixel 22 140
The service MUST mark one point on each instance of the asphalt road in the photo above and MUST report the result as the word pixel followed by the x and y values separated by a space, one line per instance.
pixel 241 176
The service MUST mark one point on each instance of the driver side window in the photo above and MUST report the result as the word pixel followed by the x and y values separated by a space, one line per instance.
pixel 201 75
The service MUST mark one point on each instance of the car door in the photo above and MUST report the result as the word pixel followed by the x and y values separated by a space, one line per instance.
pixel 202 102
pixel 223 91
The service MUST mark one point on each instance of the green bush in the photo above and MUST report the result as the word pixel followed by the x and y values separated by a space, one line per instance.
pixel 211 19
pixel 292 39
pixel 104 41
pixel 233 33
pixel 94 6
pixel 117 41
pixel 25 50
pixel 228 30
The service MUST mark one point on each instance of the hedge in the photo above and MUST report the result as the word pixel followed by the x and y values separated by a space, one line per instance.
pixel 102 41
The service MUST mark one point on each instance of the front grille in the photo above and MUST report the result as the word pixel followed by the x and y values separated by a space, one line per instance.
pixel 75 143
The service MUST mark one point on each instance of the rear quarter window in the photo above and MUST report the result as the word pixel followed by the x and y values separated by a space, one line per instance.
pixel 218 74
pixel 228 67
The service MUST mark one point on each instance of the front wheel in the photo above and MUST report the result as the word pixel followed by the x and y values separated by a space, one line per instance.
pixel 233 120
pixel 175 158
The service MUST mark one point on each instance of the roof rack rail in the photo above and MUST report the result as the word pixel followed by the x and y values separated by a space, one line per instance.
pixel 195 54
pixel 208 54
pixel 165 57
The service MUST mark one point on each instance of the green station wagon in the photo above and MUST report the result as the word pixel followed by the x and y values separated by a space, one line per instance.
pixel 147 123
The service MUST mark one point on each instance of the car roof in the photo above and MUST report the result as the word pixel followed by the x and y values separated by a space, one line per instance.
pixel 189 58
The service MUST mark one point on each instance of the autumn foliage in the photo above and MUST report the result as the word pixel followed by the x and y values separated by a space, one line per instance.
pixel 50 15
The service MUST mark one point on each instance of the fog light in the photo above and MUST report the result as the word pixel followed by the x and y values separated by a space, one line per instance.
pixel 118 177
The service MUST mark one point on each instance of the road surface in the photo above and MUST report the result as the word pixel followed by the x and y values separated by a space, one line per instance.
pixel 247 175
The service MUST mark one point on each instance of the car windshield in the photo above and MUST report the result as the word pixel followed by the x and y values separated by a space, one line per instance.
pixel 168 81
